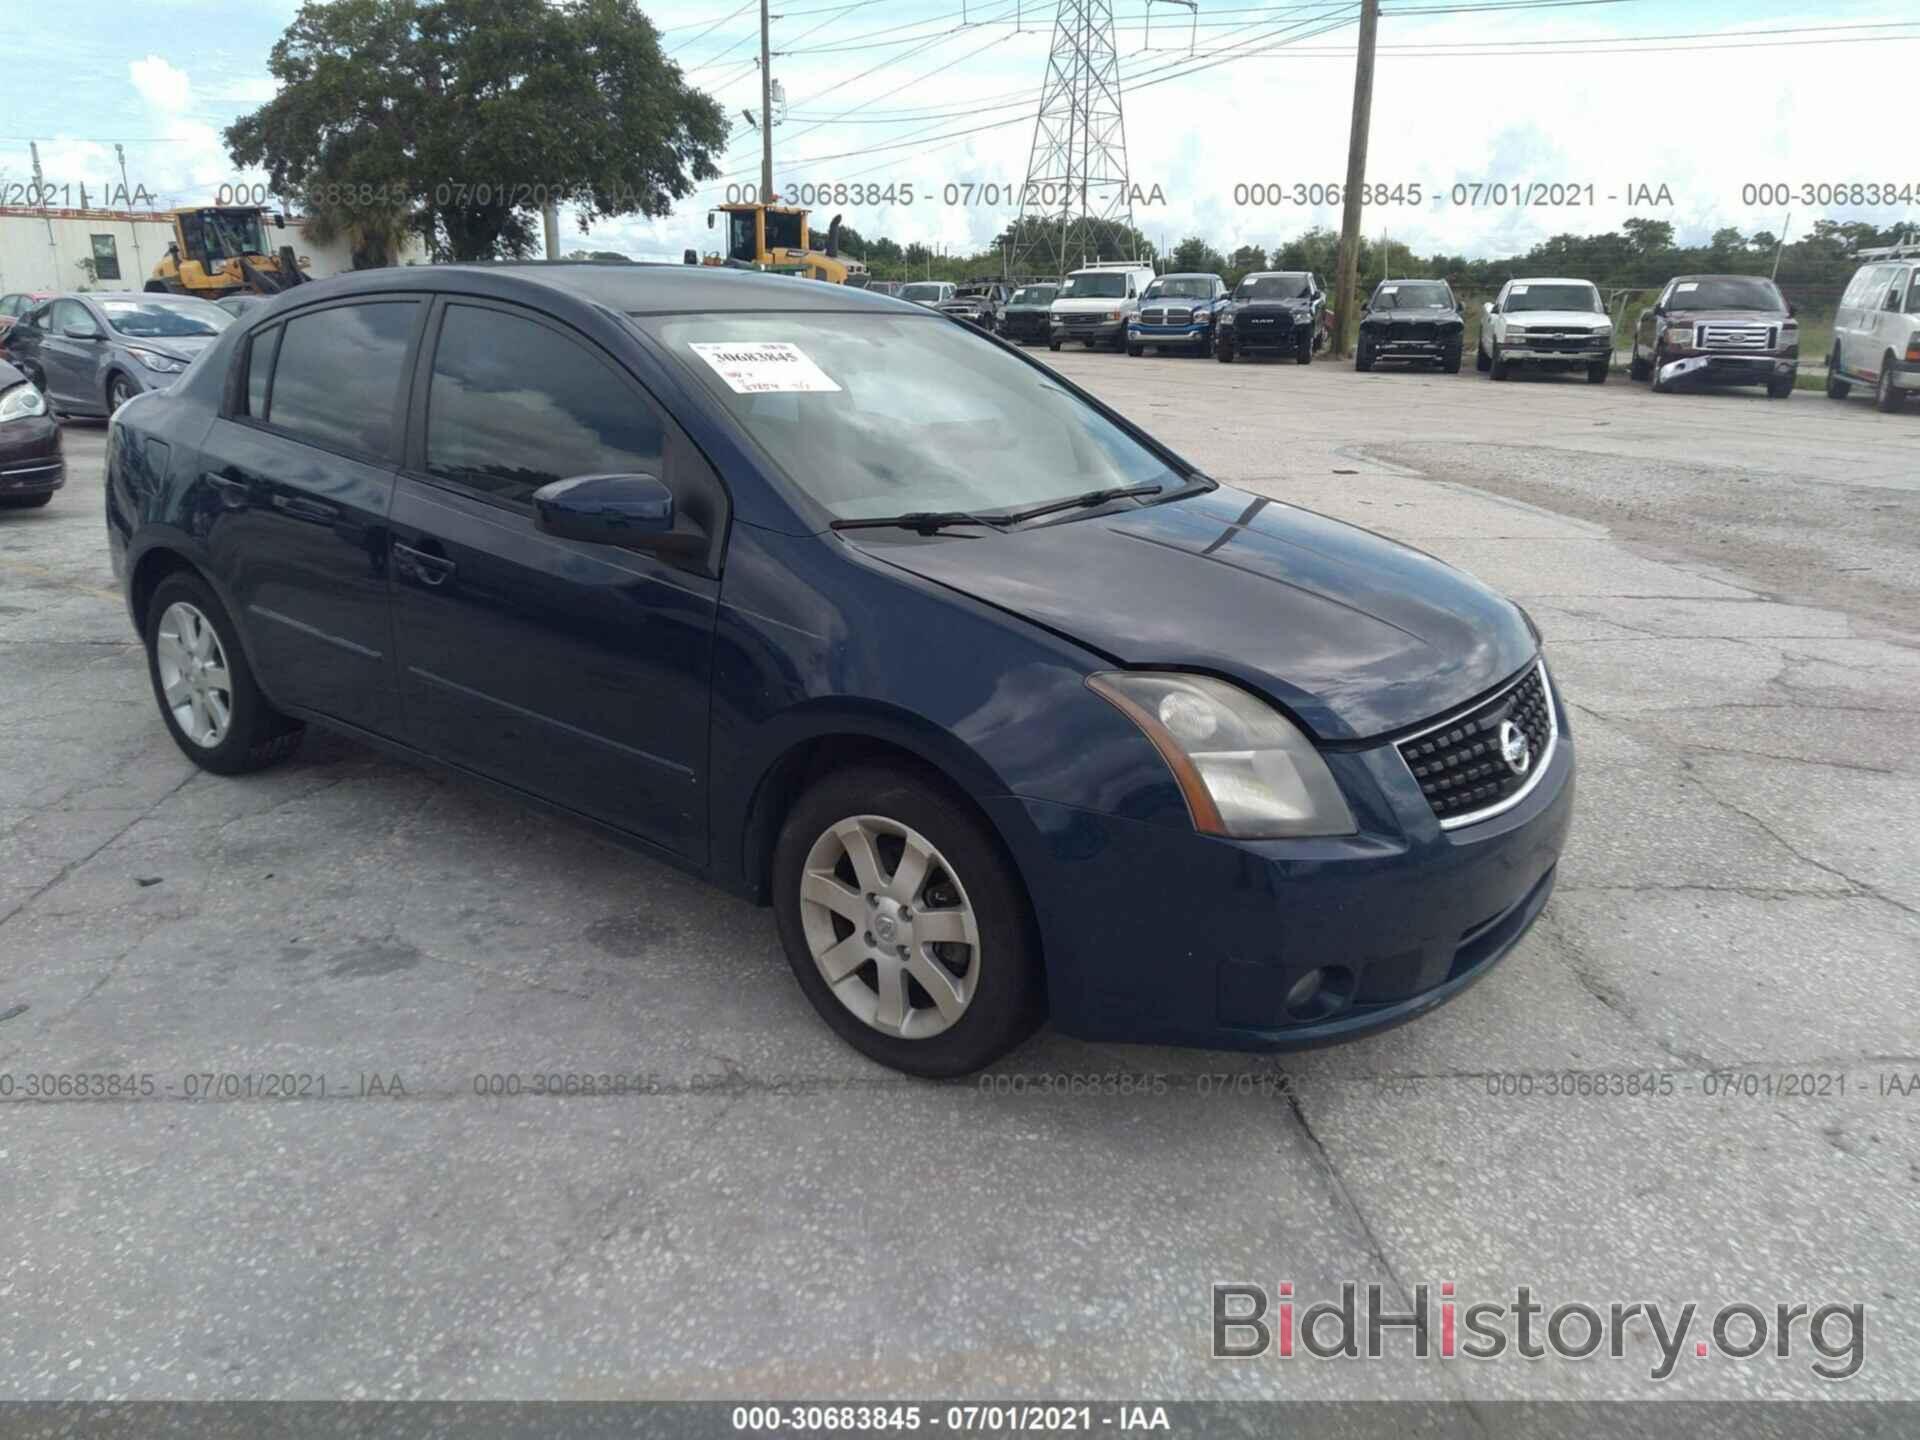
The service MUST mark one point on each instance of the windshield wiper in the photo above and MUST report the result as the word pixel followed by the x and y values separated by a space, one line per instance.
pixel 924 521
pixel 1076 502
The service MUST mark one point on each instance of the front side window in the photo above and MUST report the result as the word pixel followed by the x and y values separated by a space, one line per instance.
pixel 338 376
pixel 1414 295
pixel 514 405
pixel 1094 285
pixel 1913 292
pixel 72 315
pixel 741 242
pixel 877 415
pixel 1532 295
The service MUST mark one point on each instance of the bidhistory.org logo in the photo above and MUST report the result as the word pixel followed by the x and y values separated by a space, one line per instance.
pixel 1446 1327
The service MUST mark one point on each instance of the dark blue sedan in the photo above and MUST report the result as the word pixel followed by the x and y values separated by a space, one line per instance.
pixel 1007 710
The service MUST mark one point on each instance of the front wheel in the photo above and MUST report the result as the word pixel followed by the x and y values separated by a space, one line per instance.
pixel 1303 355
pixel 1597 372
pixel 1497 367
pixel 1450 361
pixel 1053 345
pixel 1135 350
pixel 119 391
pixel 905 924
pixel 1480 361
pixel 1660 387
pixel 1363 355
pixel 1781 389
pixel 1223 352
pixel 1837 388
pixel 1638 369
pixel 206 692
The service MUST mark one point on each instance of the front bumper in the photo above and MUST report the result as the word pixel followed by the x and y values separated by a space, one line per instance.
pixel 1387 346
pixel 1262 334
pixel 1719 368
pixel 1107 330
pixel 1906 374
pixel 1591 353
pixel 31 462
pixel 1194 333
pixel 1157 935
pixel 1024 327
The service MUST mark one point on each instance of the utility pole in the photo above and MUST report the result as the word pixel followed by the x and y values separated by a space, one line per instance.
pixel 40 184
pixel 1356 178
pixel 550 223
pixel 766 111
pixel 126 200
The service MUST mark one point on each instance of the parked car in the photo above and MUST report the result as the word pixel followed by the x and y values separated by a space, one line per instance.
pixel 32 466
pixel 883 287
pixel 1547 324
pixel 931 293
pixel 1002 705
pixel 1177 312
pixel 91 353
pixel 1411 320
pixel 978 303
pixel 1876 330
pixel 238 305
pixel 1275 311
pixel 1095 302
pixel 1027 314
pixel 1721 330
pixel 13 306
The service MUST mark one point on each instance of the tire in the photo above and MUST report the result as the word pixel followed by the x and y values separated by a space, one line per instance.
pixel 1136 351
pixel 1363 355
pixel 1888 398
pixel 255 735
pixel 119 391
pixel 25 502
pixel 1450 362
pixel 1837 388
pixel 1660 387
pixel 1480 361
pixel 1497 368
pixel 1054 345
pixel 1780 389
pixel 1597 372
pixel 997 989
pixel 1303 353
pixel 1223 352
pixel 1638 369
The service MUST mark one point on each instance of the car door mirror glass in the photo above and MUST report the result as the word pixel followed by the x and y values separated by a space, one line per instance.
pixel 634 510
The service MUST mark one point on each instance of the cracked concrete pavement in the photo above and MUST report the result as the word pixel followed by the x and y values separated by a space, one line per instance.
pixel 1727 586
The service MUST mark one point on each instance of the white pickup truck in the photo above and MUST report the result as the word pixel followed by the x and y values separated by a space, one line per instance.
pixel 1551 324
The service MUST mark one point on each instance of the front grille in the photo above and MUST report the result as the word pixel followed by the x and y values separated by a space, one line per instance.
pixel 1079 322
pixel 1414 332
pixel 1459 763
pixel 1267 322
pixel 1182 316
pixel 1736 337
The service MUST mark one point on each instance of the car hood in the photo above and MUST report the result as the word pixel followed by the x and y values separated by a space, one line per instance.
pixel 1301 306
pixel 1726 317
pixel 179 347
pixel 1354 634
pixel 1091 304
pixel 1571 319
pixel 1438 315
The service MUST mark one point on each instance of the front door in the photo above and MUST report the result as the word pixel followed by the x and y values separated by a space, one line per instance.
pixel 579 672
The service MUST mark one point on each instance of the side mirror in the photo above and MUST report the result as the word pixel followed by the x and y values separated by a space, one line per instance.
pixel 1486 307
pixel 632 510
pixel 79 332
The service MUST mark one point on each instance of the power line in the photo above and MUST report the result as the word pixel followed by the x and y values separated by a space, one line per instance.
pixel 711 28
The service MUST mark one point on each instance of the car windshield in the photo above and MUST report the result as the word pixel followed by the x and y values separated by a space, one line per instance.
pixel 1272 287
pixel 1533 295
pixel 165 319
pixel 877 415
pixel 1180 287
pixel 1094 285
pixel 1413 295
pixel 1726 292
pixel 1033 295
pixel 923 291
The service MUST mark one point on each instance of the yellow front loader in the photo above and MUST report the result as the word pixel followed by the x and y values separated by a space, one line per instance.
pixel 222 250
pixel 775 237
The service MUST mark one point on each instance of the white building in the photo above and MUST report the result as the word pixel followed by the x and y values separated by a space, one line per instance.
pixel 43 249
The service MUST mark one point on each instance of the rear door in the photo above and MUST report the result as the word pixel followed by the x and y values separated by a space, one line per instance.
pixel 296 482
pixel 579 672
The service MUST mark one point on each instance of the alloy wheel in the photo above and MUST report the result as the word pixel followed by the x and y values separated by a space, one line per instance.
pixel 118 393
pixel 193 675
pixel 890 927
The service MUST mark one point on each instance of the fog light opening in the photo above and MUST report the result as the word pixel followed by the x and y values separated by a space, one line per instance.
pixel 1320 993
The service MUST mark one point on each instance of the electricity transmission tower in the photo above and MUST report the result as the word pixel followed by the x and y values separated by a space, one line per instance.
pixel 1077 169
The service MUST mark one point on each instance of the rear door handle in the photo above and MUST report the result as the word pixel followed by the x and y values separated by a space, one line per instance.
pixel 419 565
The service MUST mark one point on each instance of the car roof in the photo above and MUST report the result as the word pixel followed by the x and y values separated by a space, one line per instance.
pixel 1188 275
pixel 1720 276
pixel 1550 280
pixel 630 287
pixel 1264 274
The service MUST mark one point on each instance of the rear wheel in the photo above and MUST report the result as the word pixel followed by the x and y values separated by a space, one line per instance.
pixel 1837 387
pixel 206 692
pixel 1638 369
pixel 905 924
pixel 1889 397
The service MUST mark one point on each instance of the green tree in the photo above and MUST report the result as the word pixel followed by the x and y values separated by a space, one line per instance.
pixel 1727 240
pixel 1649 236
pixel 1243 262
pixel 375 234
pixel 1195 255
pixel 473 113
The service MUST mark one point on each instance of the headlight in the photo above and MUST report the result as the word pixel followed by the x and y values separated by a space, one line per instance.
pixel 1516 332
pixel 1198 314
pixel 1244 769
pixel 1678 335
pixel 156 362
pixel 1116 315
pixel 1226 317
pixel 1600 330
pixel 21 403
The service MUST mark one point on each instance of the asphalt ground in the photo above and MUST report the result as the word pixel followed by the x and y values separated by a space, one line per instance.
pixel 1676 1089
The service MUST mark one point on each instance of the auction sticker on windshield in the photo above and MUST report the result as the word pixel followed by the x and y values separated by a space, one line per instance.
pixel 764 367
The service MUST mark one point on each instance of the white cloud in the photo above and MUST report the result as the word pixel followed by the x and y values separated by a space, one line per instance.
pixel 161 85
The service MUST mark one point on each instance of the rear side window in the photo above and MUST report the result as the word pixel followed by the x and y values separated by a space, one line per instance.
pixel 514 405
pixel 260 369
pixel 338 375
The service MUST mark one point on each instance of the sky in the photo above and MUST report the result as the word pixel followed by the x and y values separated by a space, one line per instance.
pixel 1564 95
